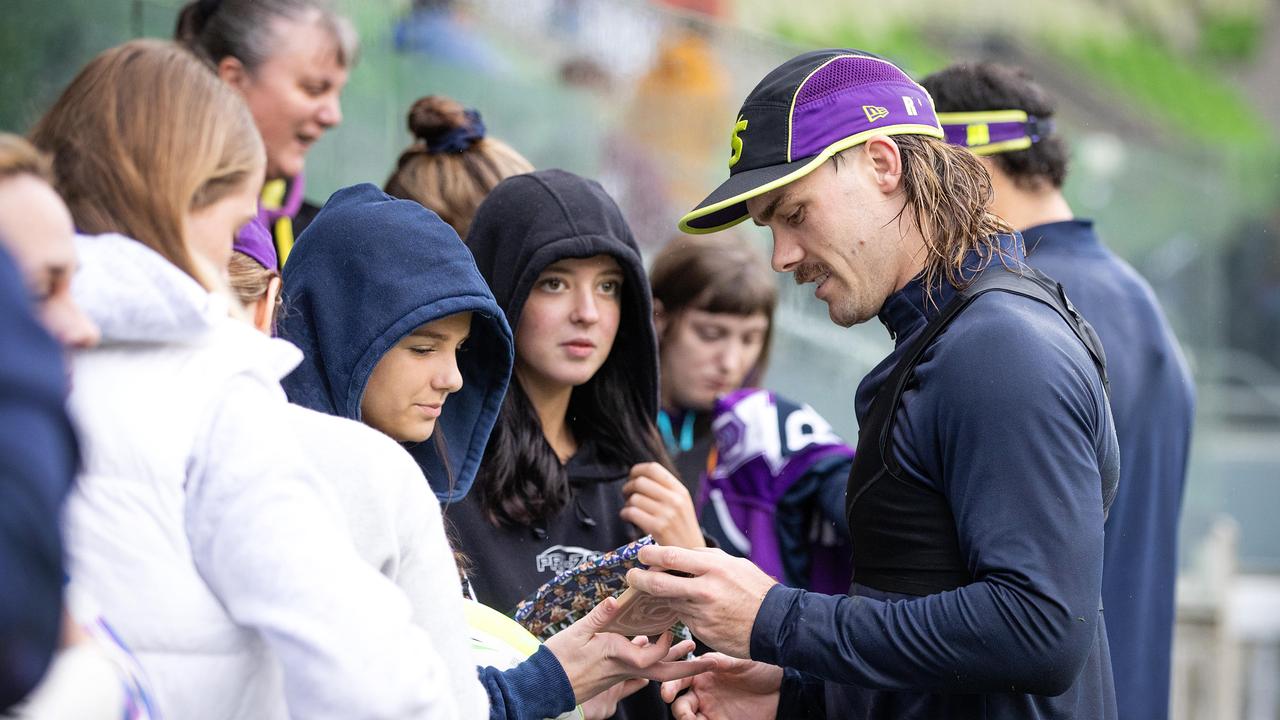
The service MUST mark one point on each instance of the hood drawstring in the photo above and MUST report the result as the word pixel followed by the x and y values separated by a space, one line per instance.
pixel 581 513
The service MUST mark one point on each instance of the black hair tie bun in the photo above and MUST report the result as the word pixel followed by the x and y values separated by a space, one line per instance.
pixel 458 139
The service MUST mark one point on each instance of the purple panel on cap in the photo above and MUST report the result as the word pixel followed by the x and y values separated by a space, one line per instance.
pixel 836 115
pixel 847 72
pixel 254 240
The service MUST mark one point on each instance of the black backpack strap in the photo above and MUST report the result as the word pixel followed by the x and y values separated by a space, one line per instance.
pixel 1032 283
pixel 1027 282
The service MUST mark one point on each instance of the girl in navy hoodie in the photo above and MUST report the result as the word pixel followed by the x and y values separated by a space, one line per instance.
pixel 382 296
pixel 575 466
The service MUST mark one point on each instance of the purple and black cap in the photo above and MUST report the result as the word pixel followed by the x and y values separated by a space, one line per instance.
pixel 806 110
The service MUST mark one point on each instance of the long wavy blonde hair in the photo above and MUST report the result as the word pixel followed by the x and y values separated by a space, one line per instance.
pixel 142 136
pixel 950 193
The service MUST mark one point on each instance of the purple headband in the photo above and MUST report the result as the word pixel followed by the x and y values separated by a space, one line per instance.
pixel 254 240
pixel 988 132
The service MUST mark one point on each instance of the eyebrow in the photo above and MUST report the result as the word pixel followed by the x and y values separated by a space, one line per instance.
pixel 432 335
pixel 770 209
pixel 558 267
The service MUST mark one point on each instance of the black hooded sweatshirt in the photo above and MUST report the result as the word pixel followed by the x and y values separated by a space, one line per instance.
pixel 527 223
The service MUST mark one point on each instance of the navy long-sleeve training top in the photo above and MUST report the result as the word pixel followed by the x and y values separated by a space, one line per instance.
pixel 1008 418
pixel 1153 401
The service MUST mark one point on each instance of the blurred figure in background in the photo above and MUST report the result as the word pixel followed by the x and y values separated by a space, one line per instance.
pixel 1001 114
pixel 439 30
pixel 93 675
pixel 289 60
pixel 36 229
pixel 452 164
pixel 676 123
pixel 768 474
pixel 38 454
pixel 713 302
pixel 37 461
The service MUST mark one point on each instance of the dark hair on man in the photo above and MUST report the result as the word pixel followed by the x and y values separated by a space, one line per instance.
pixel 973 87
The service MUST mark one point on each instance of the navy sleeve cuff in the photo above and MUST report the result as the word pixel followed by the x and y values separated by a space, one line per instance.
pixel 536 688
pixel 768 632
pixel 546 688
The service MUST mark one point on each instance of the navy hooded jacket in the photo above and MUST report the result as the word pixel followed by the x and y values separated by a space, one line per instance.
pixel 368 271
pixel 1007 418
pixel 1153 399
pixel 38 459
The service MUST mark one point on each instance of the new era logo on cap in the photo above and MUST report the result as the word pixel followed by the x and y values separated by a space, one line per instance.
pixel 874 112
pixel 806 110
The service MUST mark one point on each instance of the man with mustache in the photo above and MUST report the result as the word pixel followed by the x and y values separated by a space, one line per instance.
pixel 986 456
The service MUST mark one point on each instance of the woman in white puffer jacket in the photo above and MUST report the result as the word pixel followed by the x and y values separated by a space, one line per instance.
pixel 201 529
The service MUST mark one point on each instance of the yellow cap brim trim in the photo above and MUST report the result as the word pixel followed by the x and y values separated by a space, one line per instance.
pixel 832 149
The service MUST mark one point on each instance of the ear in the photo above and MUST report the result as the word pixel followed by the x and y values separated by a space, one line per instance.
pixel 660 318
pixel 233 72
pixel 885 159
pixel 264 310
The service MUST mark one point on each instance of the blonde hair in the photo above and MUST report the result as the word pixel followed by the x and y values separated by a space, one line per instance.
pixel 949 192
pixel 142 136
pixel 19 157
pixel 450 183
pixel 248 279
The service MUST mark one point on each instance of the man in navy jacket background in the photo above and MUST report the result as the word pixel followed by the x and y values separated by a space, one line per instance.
pixel 1152 396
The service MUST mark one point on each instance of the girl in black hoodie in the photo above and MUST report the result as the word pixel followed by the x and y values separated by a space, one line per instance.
pixel 574 467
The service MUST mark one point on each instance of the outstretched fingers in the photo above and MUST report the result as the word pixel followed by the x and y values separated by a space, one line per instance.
pixel 686 707
pixel 666 671
pixel 690 561
pixel 671 688
pixel 679 650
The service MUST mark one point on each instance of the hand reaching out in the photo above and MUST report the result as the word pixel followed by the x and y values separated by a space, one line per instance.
pixel 734 689
pixel 718 596
pixel 595 660
pixel 605 705
pixel 659 504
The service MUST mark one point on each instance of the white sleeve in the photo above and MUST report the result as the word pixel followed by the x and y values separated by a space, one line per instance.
pixel 428 573
pixel 270 543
